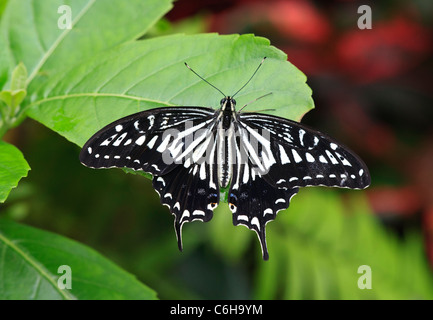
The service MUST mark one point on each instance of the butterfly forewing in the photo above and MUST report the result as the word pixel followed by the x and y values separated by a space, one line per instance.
pixel 305 157
pixel 152 140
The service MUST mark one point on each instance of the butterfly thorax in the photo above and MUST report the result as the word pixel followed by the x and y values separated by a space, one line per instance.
pixel 228 111
pixel 226 133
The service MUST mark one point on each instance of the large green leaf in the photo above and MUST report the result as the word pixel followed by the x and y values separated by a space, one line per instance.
pixel 5 62
pixel 33 36
pixel 151 73
pixel 30 261
pixel 13 167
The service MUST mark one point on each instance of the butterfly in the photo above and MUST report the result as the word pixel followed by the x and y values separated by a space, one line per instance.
pixel 198 154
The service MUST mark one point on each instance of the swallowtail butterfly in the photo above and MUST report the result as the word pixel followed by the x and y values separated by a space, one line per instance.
pixel 193 153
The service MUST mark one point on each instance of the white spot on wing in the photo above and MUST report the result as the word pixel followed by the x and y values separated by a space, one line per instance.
pixel 151 119
pixel 202 171
pixel 140 140
pixel 243 217
pixel 163 146
pixel 246 174
pixel 107 141
pixel 310 158
pixel 322 159
pixel 185 214
pixel 211 206
pixel 331 156
pixel 152 142
pixel 120 139
pixel 296 156
pixel 343 160
pixel 255 221
pixel 187 163
pixel 161 180
pixel 288 137
pixel 301 136
pixel 283 155
pixel 269 210
pixel 198 213
pixel 136 124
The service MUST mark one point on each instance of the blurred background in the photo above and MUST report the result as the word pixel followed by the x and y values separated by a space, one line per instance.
pixel 373 92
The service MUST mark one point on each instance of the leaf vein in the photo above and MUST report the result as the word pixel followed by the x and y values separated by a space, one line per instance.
pixel 58 41
pixel 31 261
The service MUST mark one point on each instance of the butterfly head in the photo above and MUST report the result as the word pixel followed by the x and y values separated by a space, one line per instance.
pixel 228 103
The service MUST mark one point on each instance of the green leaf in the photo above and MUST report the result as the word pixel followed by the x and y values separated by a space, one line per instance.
pixel 151 73
pixel 33 36
pixel 2 6
pixel 13 167
pixel 19 78
pixel 6 97
pixel 30 261
pixel 13 98
pixel 5 63
pixel 316 248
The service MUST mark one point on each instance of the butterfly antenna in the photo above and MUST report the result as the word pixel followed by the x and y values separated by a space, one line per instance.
pixel 250 78
pixel 265 95
pixel 186 64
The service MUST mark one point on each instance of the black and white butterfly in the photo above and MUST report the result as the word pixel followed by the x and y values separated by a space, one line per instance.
pixel 196 153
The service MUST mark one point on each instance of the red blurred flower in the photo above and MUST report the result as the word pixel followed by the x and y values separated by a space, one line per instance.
pixel 395 201
pixel 299 20
pixel 388 49
pixel 296 26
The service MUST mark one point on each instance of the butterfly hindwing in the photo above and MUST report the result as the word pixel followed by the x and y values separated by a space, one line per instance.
pixel 254 202
pixel 191 191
